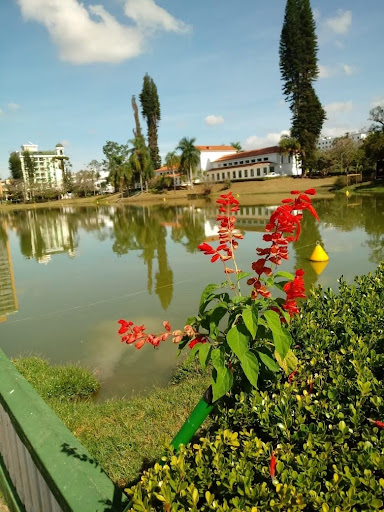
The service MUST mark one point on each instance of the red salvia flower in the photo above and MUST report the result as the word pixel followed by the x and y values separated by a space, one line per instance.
pixel 377 423
pixel 272 465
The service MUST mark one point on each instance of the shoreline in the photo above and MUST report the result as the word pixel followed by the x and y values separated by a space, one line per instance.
pixel 265 192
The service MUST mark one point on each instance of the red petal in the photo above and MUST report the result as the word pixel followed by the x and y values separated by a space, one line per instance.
pixel 311 191
pixel 215 257
pixel 294 192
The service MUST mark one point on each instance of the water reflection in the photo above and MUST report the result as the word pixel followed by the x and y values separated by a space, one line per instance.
pixel 142 263
pixel 8 297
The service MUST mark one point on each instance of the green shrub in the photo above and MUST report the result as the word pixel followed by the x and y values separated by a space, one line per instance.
pixel 340 182
pixel 329 455
pixel 227 184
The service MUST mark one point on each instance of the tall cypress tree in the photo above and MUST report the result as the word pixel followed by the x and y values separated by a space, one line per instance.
pixel 150 109
pixel 15 166
pixel 299 69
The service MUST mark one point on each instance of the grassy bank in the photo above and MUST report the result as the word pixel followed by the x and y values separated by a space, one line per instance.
pixel 366 188
pixel 122 435
pixel 270 191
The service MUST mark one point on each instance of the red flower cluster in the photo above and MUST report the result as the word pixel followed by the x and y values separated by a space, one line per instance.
pixel 131 333
pixel 283 227
pixel 227 234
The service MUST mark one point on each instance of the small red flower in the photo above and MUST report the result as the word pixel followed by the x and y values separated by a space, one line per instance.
pixel 311 191
pixel 198 339
pixel 377 423
pixel 272 465
pixel 167 326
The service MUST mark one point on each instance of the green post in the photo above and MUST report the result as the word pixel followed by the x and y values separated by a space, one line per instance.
pixel 194 420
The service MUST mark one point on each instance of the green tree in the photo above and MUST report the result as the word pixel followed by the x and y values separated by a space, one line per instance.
pixel 373 147
pixel 140 162
pixel 236 145
pixel 150 109
pixel 29 166
pixel 189 158
pixel 346 155
pixel 15 166
pixel 116 161
pixel 299 69
pixel 377 116
pixel 172 161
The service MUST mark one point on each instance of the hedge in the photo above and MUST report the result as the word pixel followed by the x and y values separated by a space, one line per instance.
pixel 318 424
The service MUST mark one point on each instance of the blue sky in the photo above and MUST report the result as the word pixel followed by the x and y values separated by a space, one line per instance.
pixel 70 68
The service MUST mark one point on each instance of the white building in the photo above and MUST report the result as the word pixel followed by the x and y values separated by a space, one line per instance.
pixel 48 165
pixel 170 173
pixel 209 154
pixel 253 164
pixel 327 142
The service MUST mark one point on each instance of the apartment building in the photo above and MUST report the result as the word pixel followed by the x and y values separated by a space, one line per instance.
pixel 48 165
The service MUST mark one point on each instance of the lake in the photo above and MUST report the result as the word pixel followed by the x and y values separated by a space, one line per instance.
pixel 67 275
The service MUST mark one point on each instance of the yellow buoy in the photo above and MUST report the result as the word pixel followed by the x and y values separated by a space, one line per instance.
pixel 319 266
pixel 319 254
pixel 347 193
pixel 163 198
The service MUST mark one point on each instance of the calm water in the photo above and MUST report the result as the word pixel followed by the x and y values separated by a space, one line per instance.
pixel 67 275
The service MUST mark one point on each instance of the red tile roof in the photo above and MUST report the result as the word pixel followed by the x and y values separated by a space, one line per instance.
pixel 252 152
pixel 215 148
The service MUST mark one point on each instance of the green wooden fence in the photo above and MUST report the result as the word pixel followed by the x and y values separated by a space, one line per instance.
pixel 43 467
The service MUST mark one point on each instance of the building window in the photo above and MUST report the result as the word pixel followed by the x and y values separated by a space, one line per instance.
pixel 252 173
pixel 242 161
pixel 234 175
pixel 282 159
pixel 229 175
pixel 229 164
pixel 246 173
pixel 240 174
pixel 223 175
pixel 258 171
pixel 253 161
pixel 272 169
pixel 265 159
pixel 247 161
pixel 265 169
pixel 225 165
pixel 259 159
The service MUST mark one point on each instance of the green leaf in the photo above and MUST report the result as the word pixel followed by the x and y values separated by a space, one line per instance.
pixel 287 275
pixel 281 337
pixel 193 352
pixel 288 363
pixel 237 339
pixel 250 366
pixel 238 299
pixel 250 318
pixel 222 377
pixel 268 361
pixel 207 296
pixel 205 354
pixel 243 275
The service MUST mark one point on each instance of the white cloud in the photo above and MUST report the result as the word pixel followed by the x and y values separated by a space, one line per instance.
pixel 271 139
pixel 348 70
pixel 339 106
pixel 330 71
pixel 325 71
pixel 13 106
pixel 341 23
pixel 213 120
pixel 150 16
pixel 88 34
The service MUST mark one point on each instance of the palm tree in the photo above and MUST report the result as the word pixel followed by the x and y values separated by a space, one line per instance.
pixel 237 146
pixel 289 145
pixel 190 156
pixel 172 161
pixel 140 160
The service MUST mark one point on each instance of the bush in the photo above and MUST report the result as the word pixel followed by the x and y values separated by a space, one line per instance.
pixel 340 182
pixel 329 455
pixel 227 184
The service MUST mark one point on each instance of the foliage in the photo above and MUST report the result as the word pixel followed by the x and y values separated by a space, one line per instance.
pixel 150 109
pixel 29 165
pixel 377 116
pixel 373 147
pixel 313 441
pixel 227 184
pixel 299 69
pixel 84 183
pixel 244 337
pixel 140 162
pixel 190 156
pixel 236 145
pixel 116 161
pixel 15 166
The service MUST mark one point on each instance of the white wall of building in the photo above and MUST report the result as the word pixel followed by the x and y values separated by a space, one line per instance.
pixel 48 170
pixel 207 157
